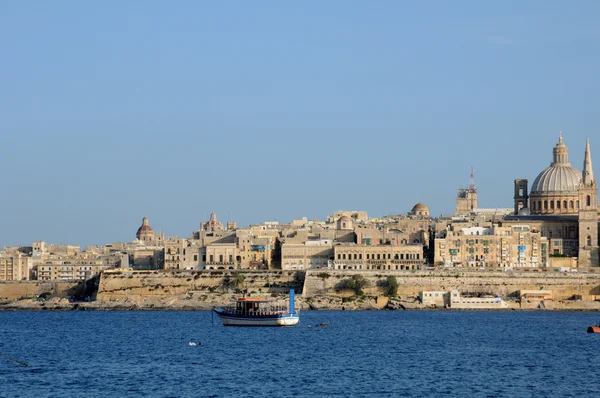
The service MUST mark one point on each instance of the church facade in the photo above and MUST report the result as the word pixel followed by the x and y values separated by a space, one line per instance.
pixel 562 204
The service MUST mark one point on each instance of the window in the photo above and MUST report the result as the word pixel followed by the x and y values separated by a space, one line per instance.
pixel 212 258
pixel 588 200
pixel 558 204
pixel 589 239
pixel 195 257
pixel 230 258
pixel 545 205
pixel 564 204
pixel 220 258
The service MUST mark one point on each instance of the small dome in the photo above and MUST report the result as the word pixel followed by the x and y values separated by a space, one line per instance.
pixel 420 210
pixel 344 222
pixel 525 212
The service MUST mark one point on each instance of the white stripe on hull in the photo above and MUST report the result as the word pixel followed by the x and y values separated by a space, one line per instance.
pixel 282 321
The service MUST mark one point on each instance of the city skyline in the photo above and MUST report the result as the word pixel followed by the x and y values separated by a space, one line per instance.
pixel 120 111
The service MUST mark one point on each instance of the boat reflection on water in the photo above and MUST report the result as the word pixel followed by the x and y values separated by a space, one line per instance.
pixel 259 311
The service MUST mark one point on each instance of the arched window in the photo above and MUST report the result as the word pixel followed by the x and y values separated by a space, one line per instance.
pixel 539 205
pixel 588 241
pixel 588 200
pixel 552 204
pixel 577 204
pixel 545 205
pixel 570 204
pixel 533 205
pixel 558 204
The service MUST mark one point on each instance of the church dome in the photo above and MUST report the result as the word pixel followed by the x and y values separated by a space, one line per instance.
pixel 145 232
pixel 420 210
pixel 560 177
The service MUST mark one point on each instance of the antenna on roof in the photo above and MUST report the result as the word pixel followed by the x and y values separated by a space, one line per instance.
pixel 472 180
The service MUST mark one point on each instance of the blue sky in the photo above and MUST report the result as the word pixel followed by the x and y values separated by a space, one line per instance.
pixel 111 111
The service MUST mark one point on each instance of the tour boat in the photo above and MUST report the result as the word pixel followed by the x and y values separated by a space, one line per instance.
pixel 259 311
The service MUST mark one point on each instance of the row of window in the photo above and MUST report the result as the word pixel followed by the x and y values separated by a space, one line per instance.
pixel 571 205
pixel 409 256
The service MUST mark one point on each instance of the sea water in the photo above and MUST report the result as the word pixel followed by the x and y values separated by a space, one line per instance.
pixel 362 353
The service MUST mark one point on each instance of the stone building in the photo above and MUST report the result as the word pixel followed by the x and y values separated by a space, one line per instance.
pixel 181 253
pixel 518 246
pixel 562 204
pixel 15 266
pixel 309 254
pixel 377 257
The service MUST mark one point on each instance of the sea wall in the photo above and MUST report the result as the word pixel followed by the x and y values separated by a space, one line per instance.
pixel 562 285
pixel 14 290
pixel 121 284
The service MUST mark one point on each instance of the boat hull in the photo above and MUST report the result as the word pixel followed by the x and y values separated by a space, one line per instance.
pixel 230 319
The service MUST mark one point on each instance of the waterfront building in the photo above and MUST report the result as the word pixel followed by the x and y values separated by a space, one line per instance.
pixel 219 256
pixel 181 253
pixel 397 257
pixel 15 266
pixel 256 247
pixel 309 254
pixel 489 247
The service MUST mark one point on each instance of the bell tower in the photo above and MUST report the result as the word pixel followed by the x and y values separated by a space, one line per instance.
pixel 588 214
pixel 521 197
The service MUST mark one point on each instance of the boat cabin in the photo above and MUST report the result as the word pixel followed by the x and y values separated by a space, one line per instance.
pixel 259 306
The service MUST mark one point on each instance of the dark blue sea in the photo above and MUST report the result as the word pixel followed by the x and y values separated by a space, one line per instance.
pixel 361 354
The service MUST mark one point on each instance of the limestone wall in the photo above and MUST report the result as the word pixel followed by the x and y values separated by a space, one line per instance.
pixel 161 284
pixel 562 285
pixel 17 289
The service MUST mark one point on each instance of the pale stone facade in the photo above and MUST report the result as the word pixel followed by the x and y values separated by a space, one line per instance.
pixel 15 266
pixel 518 246
pixel 219 256
pixel 306 255
pixel 377 257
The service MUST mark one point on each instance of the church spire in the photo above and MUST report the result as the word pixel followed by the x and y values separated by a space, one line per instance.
pixel 588 172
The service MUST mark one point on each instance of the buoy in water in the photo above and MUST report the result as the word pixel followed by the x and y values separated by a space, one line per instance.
pixel 192 344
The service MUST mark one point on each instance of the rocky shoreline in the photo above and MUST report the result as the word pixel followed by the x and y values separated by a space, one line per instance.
pixel 317 303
